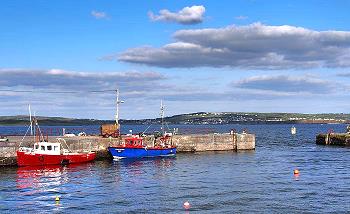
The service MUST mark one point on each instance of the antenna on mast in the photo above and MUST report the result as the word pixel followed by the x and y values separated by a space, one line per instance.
pixel 117 105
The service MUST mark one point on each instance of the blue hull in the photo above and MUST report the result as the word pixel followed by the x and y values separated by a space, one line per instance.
pixel 121 152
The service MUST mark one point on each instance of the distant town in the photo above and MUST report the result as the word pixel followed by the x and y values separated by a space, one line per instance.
pixel 196 118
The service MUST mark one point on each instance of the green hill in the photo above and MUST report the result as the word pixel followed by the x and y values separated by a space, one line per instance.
pixel 193 118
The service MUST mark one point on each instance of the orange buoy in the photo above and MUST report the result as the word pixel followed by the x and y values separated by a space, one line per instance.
pixel 296 172
pixel 187 205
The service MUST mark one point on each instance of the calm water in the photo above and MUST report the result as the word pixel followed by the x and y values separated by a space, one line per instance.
pixel 261 181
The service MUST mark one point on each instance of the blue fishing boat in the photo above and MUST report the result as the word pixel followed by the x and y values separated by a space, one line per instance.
pixel 133 147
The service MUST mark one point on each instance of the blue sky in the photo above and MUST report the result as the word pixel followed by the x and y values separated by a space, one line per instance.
pixel 249 55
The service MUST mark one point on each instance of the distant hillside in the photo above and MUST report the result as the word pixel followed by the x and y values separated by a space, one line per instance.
pixel 50 121
pixel 193 118
pixel 251 118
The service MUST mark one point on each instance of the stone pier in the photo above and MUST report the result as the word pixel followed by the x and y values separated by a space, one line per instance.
pixel 184 143
pixel 335 139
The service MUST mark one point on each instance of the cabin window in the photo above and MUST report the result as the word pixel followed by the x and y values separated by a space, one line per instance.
pixel 55 148
pixel 49 148
pixel 36 146
pixel 43 148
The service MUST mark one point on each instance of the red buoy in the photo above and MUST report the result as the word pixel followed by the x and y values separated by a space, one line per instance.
pixel 187 205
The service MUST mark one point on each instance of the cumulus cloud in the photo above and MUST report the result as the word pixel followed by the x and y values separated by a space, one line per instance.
pixel 254 46
pixel 61 80
pixel 186 16
pixel 288 85
pixel 99 14
pixel 76 94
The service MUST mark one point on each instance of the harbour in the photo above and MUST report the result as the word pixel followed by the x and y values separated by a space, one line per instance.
pixel 37 146
pixel 185 143
pixel 215 181
pixel 174 107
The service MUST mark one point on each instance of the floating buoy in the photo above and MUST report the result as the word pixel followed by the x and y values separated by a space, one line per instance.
pixel 296 172
pixel 57 198
pixel 187 205
pixel 293 130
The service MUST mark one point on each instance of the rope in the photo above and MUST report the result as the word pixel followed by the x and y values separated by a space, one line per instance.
pixel 146 129
pixel 24 136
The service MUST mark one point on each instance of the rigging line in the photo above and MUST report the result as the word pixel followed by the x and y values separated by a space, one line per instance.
pixel 24 136
pixel 147 129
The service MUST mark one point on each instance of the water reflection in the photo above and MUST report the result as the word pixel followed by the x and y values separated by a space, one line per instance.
pixel 164 163
pixel 136 165
pixel 40 185
pixel 138 171
pixel 296 177
pixel 40 177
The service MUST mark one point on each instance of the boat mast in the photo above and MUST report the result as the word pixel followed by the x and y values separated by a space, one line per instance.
pixel 117 105
pixel 30 120
pixel 32 133
pixel 162 115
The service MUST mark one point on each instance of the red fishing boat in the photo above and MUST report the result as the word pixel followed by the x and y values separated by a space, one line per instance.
pixel 45 153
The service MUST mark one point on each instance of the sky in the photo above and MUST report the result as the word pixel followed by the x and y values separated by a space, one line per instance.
pixel 65 58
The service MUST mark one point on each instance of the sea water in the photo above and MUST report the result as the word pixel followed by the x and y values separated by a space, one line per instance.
pixel 260 181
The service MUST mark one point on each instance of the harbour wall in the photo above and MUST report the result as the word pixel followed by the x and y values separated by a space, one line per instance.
pixel 335 139
pixel 184 143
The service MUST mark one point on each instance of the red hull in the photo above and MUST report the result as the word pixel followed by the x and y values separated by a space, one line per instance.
pixel 29 159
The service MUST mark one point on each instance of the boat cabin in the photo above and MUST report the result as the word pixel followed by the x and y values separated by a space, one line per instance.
pixel 47 148
pixel 133 141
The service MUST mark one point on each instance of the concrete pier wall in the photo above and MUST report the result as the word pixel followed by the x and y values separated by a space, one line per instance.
pixel 8 155
pixel 335 139
pixel 245 141
pixel 184 143
pixel 203 142
pixel 214 142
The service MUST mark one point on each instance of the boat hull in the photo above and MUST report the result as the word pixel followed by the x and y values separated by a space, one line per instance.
pixel 33 159
pixel 126 152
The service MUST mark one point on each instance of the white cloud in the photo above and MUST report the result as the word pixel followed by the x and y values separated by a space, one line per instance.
pixel 254 46
pixel 288 85
pixel 187 16
pixel 77 94
pixel 99 14
pixel 61 80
